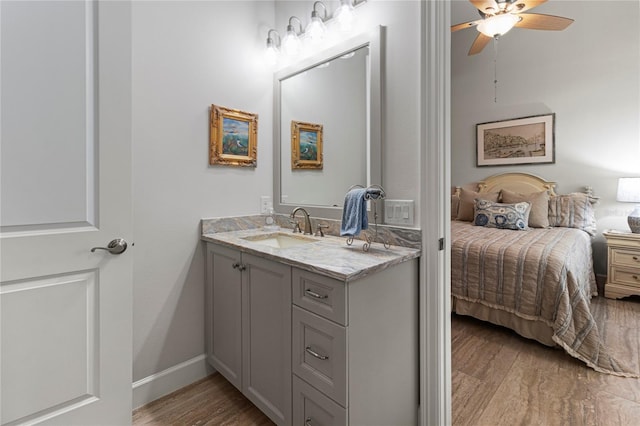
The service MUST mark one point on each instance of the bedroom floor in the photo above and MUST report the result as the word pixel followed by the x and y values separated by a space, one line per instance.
pixel 500 378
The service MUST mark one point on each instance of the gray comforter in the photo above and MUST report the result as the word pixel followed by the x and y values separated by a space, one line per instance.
pixel 539 274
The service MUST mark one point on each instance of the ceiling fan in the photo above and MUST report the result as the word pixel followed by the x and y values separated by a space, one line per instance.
pixel 499 16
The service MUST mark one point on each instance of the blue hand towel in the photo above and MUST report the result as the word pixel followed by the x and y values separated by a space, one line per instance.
pixel 354 213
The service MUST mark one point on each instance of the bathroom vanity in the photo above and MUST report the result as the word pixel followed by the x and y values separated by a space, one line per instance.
pixel 313 331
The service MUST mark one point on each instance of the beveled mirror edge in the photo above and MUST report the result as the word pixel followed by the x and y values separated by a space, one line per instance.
pixel 374 39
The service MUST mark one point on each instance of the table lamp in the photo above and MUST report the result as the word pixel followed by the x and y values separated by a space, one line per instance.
pixel 629 192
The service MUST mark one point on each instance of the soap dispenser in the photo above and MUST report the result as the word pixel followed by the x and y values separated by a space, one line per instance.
pixel 270 221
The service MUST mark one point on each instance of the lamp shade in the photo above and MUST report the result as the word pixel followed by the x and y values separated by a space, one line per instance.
pixel 628 190
pixel 498 24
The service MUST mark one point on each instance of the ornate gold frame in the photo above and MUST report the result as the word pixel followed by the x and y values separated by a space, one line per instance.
pixel 221 154
pixel 296 161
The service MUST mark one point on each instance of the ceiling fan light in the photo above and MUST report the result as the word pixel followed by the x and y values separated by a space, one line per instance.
pixel 498 25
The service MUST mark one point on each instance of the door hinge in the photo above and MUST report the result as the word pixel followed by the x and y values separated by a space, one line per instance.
pixel 441 244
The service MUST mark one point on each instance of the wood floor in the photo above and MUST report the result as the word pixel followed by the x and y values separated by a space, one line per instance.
pixel 212 401
pixel 498 378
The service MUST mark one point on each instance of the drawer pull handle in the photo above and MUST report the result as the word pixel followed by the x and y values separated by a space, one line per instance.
pixel 315 354
pixel 635 277
pixel 239 266
pixel 315 295
pixel 635 258
pixel 307 421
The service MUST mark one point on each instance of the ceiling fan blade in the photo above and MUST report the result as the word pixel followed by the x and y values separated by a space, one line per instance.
pixel 523 5
pixel 479 43
pixel 462 26
pixel 486 6
pixel 536 21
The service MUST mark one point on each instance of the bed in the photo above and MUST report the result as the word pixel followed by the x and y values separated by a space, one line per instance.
pixel 536 278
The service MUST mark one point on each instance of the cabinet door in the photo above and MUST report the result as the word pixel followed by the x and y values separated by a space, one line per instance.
pixel 224 307
pixel 266 287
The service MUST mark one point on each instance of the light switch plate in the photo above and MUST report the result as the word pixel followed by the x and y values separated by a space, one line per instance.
pixel 399 212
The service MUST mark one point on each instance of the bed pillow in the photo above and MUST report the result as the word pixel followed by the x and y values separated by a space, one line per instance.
pixel 573 210
pixel 467 200
pixel 539 214
pixel 502 215
pixel 455 203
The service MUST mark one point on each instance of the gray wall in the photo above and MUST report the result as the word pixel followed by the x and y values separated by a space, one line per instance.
pixel 187 56
pixel 587 74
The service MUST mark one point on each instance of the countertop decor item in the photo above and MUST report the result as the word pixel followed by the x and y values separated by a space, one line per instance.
pixel 629 192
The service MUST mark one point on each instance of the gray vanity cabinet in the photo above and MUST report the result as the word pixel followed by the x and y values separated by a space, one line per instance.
pixel 355 348
pixel 249 327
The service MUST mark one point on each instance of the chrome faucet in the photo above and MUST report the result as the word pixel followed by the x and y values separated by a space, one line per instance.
pixel 307 220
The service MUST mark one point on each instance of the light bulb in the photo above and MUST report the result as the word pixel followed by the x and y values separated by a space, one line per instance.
pixel 344 15
pixel 316 29
pixel 291 43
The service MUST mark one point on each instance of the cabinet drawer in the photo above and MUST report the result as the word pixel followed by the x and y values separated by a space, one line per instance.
pixel 321 295
pixel 312 408
pixel 319 354
pixel 625 258
pixel 623 276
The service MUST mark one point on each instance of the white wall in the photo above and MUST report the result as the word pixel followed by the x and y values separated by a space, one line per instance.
pixel 588 74
pixel 401 98
pixel 187 56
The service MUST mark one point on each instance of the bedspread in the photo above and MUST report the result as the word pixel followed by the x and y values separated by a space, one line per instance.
pixel 539 274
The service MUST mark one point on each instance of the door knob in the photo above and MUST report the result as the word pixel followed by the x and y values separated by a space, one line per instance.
pixel 116 246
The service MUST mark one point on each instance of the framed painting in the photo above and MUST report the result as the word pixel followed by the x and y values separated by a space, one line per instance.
pixel 233 137
pixel 526 140
pixel 306 145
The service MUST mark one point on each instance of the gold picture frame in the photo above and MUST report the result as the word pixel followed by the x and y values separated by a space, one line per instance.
pixel 306 145
pixel 233 137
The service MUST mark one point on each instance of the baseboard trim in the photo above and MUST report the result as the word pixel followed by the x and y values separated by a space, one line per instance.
pixel 173 378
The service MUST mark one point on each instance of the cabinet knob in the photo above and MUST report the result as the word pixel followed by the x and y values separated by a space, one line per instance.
pixel 635 277
pixel 307 422
pixel 635 258
pixel 239 266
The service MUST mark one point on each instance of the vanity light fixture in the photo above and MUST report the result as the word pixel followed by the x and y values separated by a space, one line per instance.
pixel 291 43
pixel 629 192
pixel 271 55
pixel 316 29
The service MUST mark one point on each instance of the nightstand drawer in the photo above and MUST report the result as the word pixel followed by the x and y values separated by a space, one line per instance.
pixel 319 354
pixel 625 258
pixel 622 276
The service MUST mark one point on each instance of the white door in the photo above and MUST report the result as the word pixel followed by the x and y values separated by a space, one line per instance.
pixel 65 187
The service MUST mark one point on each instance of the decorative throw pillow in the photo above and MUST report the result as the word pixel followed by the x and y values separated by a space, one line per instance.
pixel 467 200
pixel 539 214
pixel 573 210
pixel 501 215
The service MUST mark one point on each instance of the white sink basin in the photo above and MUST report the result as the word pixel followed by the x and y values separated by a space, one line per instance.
pixel 280 240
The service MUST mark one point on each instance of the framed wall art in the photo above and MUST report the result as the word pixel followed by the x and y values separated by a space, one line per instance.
pixel 526 140
pixel 306 145
pixel 233 137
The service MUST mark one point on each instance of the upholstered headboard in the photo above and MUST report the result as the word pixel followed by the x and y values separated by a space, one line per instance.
pixel 523 183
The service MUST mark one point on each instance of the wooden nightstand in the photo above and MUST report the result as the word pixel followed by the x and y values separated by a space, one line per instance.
pixel 623 272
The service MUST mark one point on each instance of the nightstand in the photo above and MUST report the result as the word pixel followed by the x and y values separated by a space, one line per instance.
pixel 623 271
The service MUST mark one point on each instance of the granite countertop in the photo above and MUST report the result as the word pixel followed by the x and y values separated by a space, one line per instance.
pixel 328 255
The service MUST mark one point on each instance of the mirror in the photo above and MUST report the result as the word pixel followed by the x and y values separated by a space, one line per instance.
pixel 328 126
